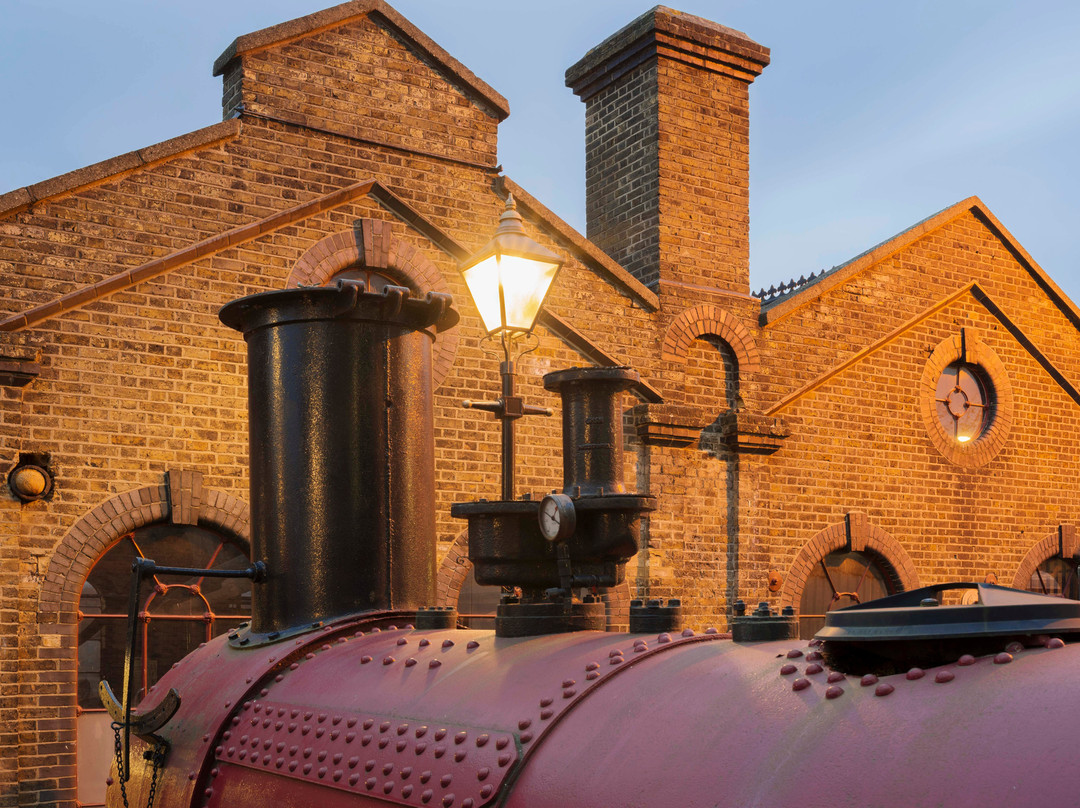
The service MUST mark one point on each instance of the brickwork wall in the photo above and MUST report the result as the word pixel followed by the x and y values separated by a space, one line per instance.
pixel 622 184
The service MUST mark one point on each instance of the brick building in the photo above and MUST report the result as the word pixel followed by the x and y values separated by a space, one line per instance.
pixel 907 418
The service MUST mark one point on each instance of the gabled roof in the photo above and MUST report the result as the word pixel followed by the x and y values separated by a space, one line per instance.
pixel 783 305
pixel 286 32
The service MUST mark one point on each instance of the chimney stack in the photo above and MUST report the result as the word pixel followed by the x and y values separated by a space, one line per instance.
pixel 667 148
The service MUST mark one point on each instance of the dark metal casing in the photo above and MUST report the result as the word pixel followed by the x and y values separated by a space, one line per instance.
pixel 342 451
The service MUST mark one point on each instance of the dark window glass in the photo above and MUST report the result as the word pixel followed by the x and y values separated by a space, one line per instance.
pixel 964 401
pixel 1056 576
pixel 836 581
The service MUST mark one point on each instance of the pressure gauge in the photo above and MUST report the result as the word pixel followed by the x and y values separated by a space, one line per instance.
pixel 557 517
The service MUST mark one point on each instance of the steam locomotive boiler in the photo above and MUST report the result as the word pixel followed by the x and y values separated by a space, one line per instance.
pixel 348 689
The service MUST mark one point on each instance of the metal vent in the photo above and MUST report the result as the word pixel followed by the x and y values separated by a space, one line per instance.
pixel 913 629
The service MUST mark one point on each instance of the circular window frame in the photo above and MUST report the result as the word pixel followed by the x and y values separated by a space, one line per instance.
pixel 966 349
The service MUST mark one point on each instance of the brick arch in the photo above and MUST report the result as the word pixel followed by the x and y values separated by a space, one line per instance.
pixel 1062 541
pixel 371 244
pixel 455 566
pixel 854 534
pixel 708 319
pixel 181 498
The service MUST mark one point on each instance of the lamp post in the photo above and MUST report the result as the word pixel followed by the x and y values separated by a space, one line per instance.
pixel 508 279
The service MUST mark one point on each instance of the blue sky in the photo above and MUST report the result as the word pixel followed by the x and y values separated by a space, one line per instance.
pixel 872 115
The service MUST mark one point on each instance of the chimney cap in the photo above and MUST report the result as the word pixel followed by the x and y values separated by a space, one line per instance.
pixel 661 30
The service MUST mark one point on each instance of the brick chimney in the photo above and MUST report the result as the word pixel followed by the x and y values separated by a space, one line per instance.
pixel 667 148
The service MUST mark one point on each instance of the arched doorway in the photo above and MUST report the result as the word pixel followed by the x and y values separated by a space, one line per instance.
pixel 840 579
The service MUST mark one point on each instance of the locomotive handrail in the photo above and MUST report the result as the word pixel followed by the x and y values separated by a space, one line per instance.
pixel 158 717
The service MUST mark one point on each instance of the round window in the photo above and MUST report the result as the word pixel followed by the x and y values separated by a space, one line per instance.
pixel 964 401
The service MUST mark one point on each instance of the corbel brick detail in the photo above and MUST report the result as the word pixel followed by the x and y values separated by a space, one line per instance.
pixel 185 495
pixel 855 534
pixel 1062 541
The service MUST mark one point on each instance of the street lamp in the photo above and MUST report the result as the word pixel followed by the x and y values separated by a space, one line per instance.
pixel 508 280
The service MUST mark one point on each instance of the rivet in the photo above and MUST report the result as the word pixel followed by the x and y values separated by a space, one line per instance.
pixel 369 765
pixel 615 660
pixel 1055 642
pixel 292 726
pixel 208 793
pixel 354 778
pixel 592 675
pixel 569 694
pixel 526 737
pixel 281 712
pixel 359 634
pixel 966 659
pixel 688 632
pixel 467 802
pixel 663 638
pixel 324 647
pixel 322 717
pixel 459 755
pixel 294 713
pixel 401 641
pixel 813 668
pixel 368 723
pixel 440 750
pixel 500 742
pixel 434 663
pixel 391 628
pixel 337 758
pixel 446 780
pixel 787 670
pixel 370 783
pixel 835 676
pixel 376 630
pixel 354 762
pixel 869 679
pixel 448 644
pixel 834 692
pixel 420 732
pixel 1014 648
pixel 191 776
pixel 268 743
pixel 883 689
pixel 615 653
pixel 279 762
pixel 943 676
pixel 915 673
pixel 383 742
pixel 406 791
pixel 307 768
pixel 794 653
pixel 425 776
pixel 292 765
pixel 420 748
pixel 505 758
pixel 448 800
pixel 471 644
pixel 800 684
pixel 546 702
pixel 711 630
pixel 568 683
pixel 244 739
pixel 410 662
pixel 440 734
pixel 406 773
pixel 342 639
pixel 255 708
pixel 813 656
pixel 307 751
pixel 334 733
pixel 387 768
pixel 388 786
pixel 388 660
pixel 304 730
pixel 309 655
pixel 482 739
pixel 426 796
pixel 235 720
pixel 227 734
pixel 401 744
pixel 546 714
pixel 1004 658
pixel 365 660
pixel 320 731
pixel 278 725
pixel 640 648
pixel 424 643
pixel 384 726
pixel 293 749
pixel 337 774
pixel 402 729
pixel 487 790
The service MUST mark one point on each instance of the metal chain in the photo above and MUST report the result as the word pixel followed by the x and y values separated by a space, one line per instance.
pixel 155 756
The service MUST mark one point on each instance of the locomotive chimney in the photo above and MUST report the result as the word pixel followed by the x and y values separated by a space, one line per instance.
pixel 341 451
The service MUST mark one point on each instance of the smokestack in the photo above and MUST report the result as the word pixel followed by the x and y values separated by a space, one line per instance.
pixel 342 450
pixel 667 148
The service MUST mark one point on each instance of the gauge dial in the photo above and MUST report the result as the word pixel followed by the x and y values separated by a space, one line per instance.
pixel 557 517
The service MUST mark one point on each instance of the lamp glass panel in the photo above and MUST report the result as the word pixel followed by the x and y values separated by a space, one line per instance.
pixel 525 284
pixel 483 282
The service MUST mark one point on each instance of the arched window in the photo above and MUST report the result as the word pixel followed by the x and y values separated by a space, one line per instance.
pixel 964 399
pixel 1056 576
pixel 840 579
pixel 176 614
